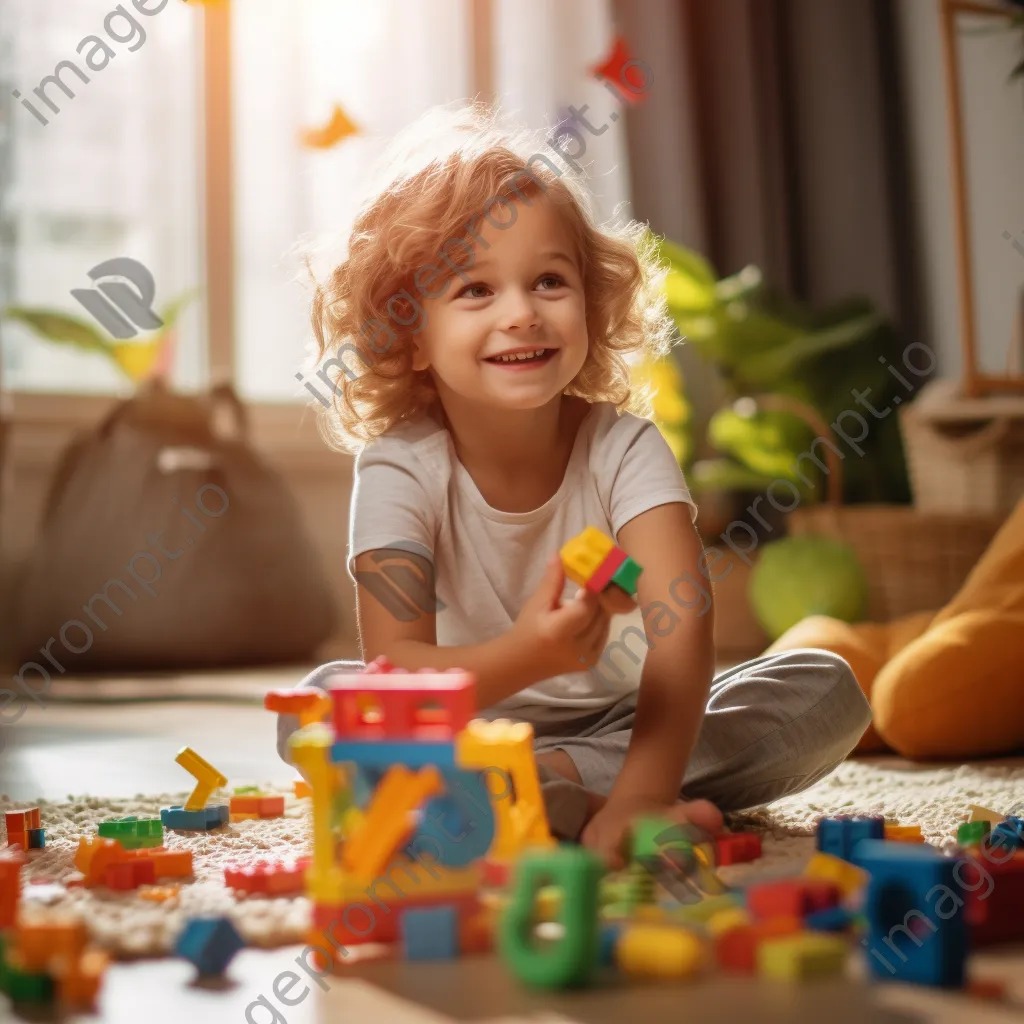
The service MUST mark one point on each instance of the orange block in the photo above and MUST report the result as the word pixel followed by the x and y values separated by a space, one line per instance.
pixel 173 863
pixel 10 887
pixel 736 949
pixel 271 806
pixel 38 943
pixel 904 833
pixel 160 893
pixel 79 979
pixel 244 805
pixel 95 855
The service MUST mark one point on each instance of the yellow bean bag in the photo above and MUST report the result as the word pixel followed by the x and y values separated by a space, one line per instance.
pixel 949 684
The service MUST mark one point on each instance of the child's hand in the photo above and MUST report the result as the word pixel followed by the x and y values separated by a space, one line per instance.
pixel 565 637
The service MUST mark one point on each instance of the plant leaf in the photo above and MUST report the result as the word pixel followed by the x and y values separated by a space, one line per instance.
pixel 725 475
pixel 60 328
pixel 170 313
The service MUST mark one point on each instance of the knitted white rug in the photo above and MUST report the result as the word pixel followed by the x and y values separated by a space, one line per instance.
pixel 934 797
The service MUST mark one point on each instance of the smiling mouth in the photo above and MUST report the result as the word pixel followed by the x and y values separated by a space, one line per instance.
pixel 538 355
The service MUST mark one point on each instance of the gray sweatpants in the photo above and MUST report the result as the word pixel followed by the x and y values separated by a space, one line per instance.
pixel 773 726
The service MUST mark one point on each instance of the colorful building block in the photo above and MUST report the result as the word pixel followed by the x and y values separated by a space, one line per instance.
pixel 661 952
pixel 592 560
pixel 24 985
pixel 832 919
pixel 210 943
pixel 971 833
pixel 36 838
pixel 133 833
pixel 78 980
pixel 125 875
pixel 802 956
pixel 203 820
pixel 736 948
pixel 10 887
pixel 1008 834
pixel 272 878
pixel 795 897
pixel 839 836
pixel 994 879
pixel 825 868
pixel 915 931
pixel 737 848
pixel 903 834
pixel 38 942
pixel 572 960
pixel 207 778
pixel 22 821
pixel 430 933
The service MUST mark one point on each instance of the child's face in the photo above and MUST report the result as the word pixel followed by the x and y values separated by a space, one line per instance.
pixel 526 295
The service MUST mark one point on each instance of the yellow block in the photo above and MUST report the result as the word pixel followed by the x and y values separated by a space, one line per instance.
pixel 207 778
pixel 700 913
pixel 826 868
pixel 521 822
pixel 979 813
pixel 583 555
pixel 726 920
pixel 904 833
pixel 309 747
pixel 659 951
pixel 804 955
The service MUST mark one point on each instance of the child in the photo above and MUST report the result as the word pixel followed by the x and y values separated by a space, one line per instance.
pixel 492 318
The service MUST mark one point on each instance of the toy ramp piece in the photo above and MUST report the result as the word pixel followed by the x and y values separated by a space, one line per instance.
pixel 387 820
pixel 507 747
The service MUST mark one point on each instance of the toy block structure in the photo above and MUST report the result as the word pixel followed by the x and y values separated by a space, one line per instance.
pixel 839 836
pixel 207 780
pixel 24 829
pixel 593 561
pixel 914 932
pixel 794 897
pixel 995 909
pixel 106 862
pixel 972 833
pixel 406 808
pixel 849 878
pixel 309 705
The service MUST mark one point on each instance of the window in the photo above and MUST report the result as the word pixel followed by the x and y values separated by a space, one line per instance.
pixel 113 173
pixel 122 170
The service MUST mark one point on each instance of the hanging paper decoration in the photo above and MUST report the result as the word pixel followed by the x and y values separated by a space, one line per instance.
pixel 339 127
pixel 628 77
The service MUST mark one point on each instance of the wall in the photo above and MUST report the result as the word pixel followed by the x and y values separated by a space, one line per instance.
pixel 994 143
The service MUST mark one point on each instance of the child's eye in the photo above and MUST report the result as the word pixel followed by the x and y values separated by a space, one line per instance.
pixel 554 280
pixel 480 291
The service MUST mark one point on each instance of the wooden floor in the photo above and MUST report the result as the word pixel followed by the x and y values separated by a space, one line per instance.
pixel 121 750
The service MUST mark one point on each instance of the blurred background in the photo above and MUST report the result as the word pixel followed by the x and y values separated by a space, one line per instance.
pixel 838 184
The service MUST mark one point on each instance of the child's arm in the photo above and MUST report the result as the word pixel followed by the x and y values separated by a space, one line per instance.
pixel 680 663
pixel 547 639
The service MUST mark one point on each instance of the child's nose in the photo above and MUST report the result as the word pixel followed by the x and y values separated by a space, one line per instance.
pixel 519 312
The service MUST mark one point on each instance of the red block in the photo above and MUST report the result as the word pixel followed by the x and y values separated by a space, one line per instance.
pixel 995 909
pixel 17 839
pixel 796 897
pixel 606 570
pixel 22 821
pixel 130 874
pixel 10 887
pixel 737 849
pixel 736 949
pixel 355 924
pixel 268 877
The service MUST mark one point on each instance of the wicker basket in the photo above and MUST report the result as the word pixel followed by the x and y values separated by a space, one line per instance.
pixel 914 561
pixel 966 455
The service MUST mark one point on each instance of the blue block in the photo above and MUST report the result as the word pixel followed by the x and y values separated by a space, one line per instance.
pixel 210 943
pixel 430 933
pixel 607 942
pixel 36 838
pixel 1008 834
pixel 460 820
pixel 916 926
pixel 384 753
pixel 838 836
pixel 195 821
pixel 832 919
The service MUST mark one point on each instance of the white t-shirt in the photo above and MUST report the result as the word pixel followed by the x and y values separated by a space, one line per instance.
pixel 413 494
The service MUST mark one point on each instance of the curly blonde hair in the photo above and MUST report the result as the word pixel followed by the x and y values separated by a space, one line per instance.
pixel 452 168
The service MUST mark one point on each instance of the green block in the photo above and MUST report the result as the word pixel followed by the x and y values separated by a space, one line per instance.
pixel 572 960
pixel 25 987
pixel 646 830
pixel 133 833
pixel 971 832
pixel 626 576
pixel 242 790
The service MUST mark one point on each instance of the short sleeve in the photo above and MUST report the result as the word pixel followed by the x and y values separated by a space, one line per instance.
pixel 390 507
pixel 639 470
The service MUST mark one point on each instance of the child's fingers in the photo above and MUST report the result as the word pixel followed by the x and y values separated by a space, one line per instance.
pixel 616 601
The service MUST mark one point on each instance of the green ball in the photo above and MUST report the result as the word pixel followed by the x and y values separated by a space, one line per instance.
pixel 806 575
